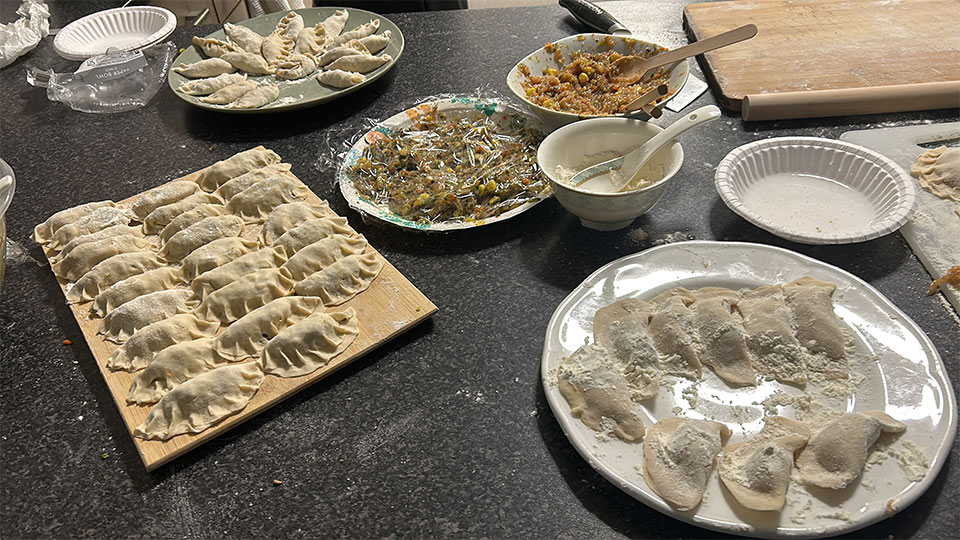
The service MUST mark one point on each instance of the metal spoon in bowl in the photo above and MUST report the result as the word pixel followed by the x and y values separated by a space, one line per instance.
pixel 631 163
pixel 634 68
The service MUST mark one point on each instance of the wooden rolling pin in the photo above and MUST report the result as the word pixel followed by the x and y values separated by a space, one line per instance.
pixel 847 101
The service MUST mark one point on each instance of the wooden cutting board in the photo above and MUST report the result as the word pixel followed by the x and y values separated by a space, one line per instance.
pixel 827 45
pixel 389 307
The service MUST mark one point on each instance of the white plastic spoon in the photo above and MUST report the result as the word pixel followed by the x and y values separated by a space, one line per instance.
pixel 631 163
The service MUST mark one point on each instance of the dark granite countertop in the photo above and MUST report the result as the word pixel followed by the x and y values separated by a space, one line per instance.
pixel 443 432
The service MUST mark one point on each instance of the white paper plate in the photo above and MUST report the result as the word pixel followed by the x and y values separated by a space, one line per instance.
pixel 501 113
pixel 126 29
pixel 907 380
pixel 816 191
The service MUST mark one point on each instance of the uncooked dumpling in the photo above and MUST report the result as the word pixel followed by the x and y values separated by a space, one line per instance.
pixel 359 32
pixel 347 49
pixel 208 67
pixel 160 217
pixel 720 330
pixel 222 275
pixel 110 271
pixel 678 455
pixel 140 349
pixel 135 286
pixel 202 401
pixel 296 66
pixel 310 231
pixel 290 25
pixel 343 279
pixel 190 217
pixel 215 254
pixel 258 97
pixel 173 366
pixel 290 215
pixel 836 454
pixel 322 254
pixel 80 261
pixel 376 43
pixel 109 232
pixel 236 185
pixel 339 78
pixel 768 324
pixel 163 195
pixel 360 63
pixel 246 337
pixel 229 94
pixel 276 47
pixel 203 232
pixel 249 63
pixel 672 330
pixel 43 232
pixel 203 87
pixel 97 220
pixel 598 395
pixel 214 47
pixel 213 176
pixel 246 38
pixel 757 470
pixel 938 171
pixel 256 202
pixel 245 295
pixel 819 329
pixel 621 328
pixel 310 344
pixel 122 322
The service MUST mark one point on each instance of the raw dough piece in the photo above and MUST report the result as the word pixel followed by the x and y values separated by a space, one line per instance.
pixel 678 455
pixel 173 366
pixel 122 322
pixel 359 32
pixel 310 344
pixel 110 271
pixel 310 231
pixel 43 232
pixel 339 78
pixel 245 295
pixel 109 232
pixel 246 337
pixel 276 47
pixel 720 329
pixel 126 290
pixel 360 63
pixel 757 470
pixel 245 38
pixel 672 330
pixel 768 324
pixel 80 261
pixel 258 97
pixel 140 349
pixel 163 195
pixel 215 254
pixel 221 276
pixel 249 63
pixel 621 328
pixel 290 215
pixel 290 25
pixel 343 279
pixel 378 42
pixel 256 202
pixel 209 67
pixel 310 40
pixel 347 49
pixel 162 216
pixel 229 94
pixel 818 327
pixel 323 253
pixel 836 454
pixel 190 217
pixel 215 175
pixel 296 66
pixel 203 232
pixel 214 48
pixel 333 25
pixel 938 171
pixel 95 221
pixel 236 185
pixel 203 87
pixel 202 401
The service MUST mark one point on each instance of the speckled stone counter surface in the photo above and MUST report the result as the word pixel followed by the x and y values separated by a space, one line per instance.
pixel 441 433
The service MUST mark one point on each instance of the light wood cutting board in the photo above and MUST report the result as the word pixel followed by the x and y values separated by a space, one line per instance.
pixel 827 45
pixel 389 307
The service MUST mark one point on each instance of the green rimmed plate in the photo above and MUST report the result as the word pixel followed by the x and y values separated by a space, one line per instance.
pixel 505 116
pixel 301 93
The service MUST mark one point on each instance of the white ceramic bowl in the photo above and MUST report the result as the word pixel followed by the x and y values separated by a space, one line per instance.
pixel 816 191
pixel 124 28
pixel 568 146
pixel 540 59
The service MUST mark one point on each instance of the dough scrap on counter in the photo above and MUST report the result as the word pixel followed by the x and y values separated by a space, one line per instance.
pixel 678 456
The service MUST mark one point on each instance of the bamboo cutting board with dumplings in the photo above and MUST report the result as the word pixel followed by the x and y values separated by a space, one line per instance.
pixel 809 45
pixel 389 307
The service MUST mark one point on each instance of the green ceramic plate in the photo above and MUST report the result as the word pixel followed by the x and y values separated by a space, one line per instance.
pixel 305 92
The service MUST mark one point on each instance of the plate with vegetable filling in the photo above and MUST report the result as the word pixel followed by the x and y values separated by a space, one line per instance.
pixel 671 374
pixel 448 164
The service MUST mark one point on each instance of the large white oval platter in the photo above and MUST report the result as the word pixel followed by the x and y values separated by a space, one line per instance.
pixel 906 378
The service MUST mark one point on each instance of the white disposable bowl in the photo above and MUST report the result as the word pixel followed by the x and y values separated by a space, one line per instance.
pixel 126 29
pixel 816 191
pixel 540 59
pixel 567 147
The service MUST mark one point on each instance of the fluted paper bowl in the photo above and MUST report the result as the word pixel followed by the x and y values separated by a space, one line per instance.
pixel 123 28
pixel 816 191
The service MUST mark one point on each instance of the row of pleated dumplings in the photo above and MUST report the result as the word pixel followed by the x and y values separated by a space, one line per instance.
pixel 207 285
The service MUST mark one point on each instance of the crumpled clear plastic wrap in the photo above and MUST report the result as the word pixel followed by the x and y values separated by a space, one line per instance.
pixel 109 83
pixel 448 159
pixel 25 33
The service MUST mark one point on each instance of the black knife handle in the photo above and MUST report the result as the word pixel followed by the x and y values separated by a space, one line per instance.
pixel 592 15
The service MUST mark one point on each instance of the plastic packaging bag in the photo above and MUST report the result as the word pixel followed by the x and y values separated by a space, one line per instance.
pixel 23 35
pixel 109 83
